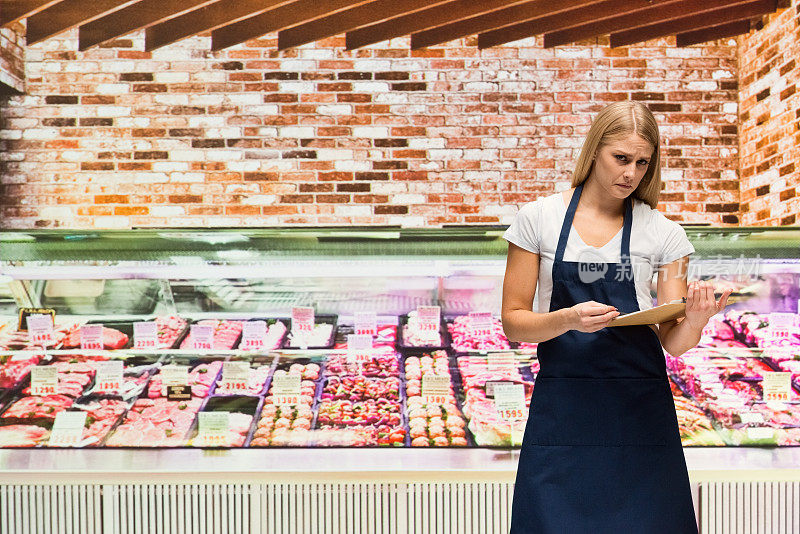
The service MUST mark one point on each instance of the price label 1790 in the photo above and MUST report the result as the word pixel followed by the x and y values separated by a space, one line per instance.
pixel 202 336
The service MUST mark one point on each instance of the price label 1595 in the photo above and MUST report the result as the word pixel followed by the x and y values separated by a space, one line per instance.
pixel 202 337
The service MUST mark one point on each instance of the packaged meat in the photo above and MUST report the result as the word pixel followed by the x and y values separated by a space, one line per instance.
pixel 156 423
pixel 202 377
pixel 256 382
pixel 226 334
pixel 37 407
pixel 463 338
pixel 359 388
pixel 14 368
pixel 22 435
pixel 321 337
pixel 112 338
pixel 377 365
pixel 281 426
pixel 241 411
pixel 169 328
pixel 385 337
pixel 412 334
pixel 435 425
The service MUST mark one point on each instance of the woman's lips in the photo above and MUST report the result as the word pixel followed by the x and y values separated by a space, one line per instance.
pixel 624 186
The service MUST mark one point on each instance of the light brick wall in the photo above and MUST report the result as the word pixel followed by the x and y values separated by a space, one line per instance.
pixel 769 115
pixel 118 137
pixel 12 65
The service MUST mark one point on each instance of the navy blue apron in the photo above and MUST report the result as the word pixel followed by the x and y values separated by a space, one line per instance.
pixel 601 451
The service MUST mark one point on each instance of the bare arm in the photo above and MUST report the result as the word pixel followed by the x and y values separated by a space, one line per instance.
pixel 522 324
pixel 679 335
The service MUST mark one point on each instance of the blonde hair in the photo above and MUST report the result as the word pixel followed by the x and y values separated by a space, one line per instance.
pixel 613 122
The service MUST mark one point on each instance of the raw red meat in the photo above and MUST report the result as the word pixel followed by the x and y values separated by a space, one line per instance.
pixel 21 435
pixel 112 339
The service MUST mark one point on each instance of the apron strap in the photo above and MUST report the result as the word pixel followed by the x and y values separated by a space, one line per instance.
pixel 566 227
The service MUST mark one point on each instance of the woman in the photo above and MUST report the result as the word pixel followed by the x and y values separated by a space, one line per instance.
pixel 601 451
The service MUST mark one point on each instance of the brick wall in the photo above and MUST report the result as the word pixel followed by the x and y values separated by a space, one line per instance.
pixel 118 137
pixel 12 65
pixel 769 116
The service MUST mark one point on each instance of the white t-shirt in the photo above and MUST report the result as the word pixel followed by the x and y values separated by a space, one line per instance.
pixel 655 241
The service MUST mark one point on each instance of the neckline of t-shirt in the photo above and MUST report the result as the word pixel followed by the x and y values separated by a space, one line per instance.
pixel 574 232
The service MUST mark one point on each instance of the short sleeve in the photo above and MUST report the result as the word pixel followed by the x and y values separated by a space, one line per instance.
pixel 676 245
pixel 524 230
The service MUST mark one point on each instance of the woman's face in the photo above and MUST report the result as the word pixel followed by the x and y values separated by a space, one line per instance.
pixel 620 165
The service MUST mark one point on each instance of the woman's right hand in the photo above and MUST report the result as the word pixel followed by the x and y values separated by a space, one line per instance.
pixel 592 316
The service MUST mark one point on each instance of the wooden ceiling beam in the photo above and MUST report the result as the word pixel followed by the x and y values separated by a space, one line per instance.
pixel 551 23
pixel 713 33
pixel 693 22
pixel 429 18
pixel 357 17
pixel 68 14
pixel 495 20
pixel 13 10
pixel 649 15
pixel 216 15
pixel 141 15
pixel 278 19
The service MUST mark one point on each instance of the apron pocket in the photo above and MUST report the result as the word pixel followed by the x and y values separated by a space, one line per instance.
pixel 597 412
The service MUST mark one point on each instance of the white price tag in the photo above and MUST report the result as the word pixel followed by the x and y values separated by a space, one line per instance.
pixel 40 329
pixel 175 375
pixel 481 323
pixel 501 361
pixel 145 335
pixel 749 418
pixel 302 320
pixel 108 378
pixel 254 335
pixel 67 429
pixel 285 400
pixel 760 433
pixel 435 389
pixel 44 380
pixel 776 386
pixel 782 320
pixel 213 428
pixel 235 376
pixel 509 401
pixel 202 336
pixel 359 347
pixel 286 385
pixel 429 318
pixel 365 323
pixel 92 337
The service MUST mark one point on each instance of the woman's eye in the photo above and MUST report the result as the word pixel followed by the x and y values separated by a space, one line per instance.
pixel 643 162
pixel 620 157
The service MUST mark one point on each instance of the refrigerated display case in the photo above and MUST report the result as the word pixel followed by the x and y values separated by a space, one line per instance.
pixel 361 418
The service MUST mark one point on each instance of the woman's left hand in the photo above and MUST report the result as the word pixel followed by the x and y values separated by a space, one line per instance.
pixel 700 304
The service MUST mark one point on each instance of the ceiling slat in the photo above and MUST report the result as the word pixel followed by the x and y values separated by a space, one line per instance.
pixel 713 33
pixel 210 17
pixel 140 15
pixel 68 14
pixel 422 20
pixel 497 19
pixel 694 22
pixel 14 10
pixel 278 19
pixel 656 13
pixel 551 23
pixel 357 17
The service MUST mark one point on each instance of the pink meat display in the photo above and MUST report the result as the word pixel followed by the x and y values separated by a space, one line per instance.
pixel 485 423
pixel 226 334
pixel 379 365
pixel 14 368
pixel 436 363
pixel 385 337
pixel 463 338
pixel 101 415
pixel 344 413
pixel 156 423
pixel 112 339
pixel 475 373
pixel 11 339
pixel 22 435
pixel 201 380
pixel 169 328
pixel 414 335
pixel 694 425
pixel 280 426
pixel 359 388
pixel 37 407
pixel 73 377
pixel 238 427
pixel 255 382
pixel 319 337
pixel 434 425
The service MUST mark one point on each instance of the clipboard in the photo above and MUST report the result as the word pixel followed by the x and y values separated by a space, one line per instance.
pixel 659 314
